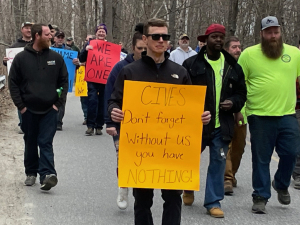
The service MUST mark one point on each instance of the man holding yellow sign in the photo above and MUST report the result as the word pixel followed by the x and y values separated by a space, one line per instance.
pixel 161 143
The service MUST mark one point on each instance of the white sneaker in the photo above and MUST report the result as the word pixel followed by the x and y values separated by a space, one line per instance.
pixel 122 199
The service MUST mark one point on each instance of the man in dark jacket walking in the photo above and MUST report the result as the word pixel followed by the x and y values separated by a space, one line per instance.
pixel 35 76
pixel 153 67
pixel 22 41
pixel 225 95
pixel 59 42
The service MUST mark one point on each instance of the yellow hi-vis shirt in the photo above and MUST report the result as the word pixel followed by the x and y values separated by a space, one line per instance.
pixel 218 67
pixel 271 89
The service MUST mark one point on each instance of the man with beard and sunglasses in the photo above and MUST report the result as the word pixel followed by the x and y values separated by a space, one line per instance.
pixel 182 52
pixel 154 66
pixel 271 69
pixel 225 95
pixel 35 75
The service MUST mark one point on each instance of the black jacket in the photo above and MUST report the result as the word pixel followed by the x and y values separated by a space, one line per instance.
pixel 34 77
pixel 233 88
pixel 18 44
pixel 146 70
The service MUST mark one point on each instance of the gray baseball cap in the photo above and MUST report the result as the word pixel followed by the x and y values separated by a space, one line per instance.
pixel 269 21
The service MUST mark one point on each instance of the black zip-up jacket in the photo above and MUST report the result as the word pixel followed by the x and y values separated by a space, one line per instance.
pixel 146 70
pixel 34 77
pixel 18 44
pixel 233 88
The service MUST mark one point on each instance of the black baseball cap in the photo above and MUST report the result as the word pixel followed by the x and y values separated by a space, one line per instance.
pixel 53 27
pixel 59 33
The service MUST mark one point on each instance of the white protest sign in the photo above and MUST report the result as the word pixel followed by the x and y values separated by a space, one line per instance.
pixel 10 54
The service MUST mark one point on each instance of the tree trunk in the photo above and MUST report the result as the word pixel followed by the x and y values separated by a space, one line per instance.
pixel 297 27
pixel 108 20
pixel 232 17
pixel 103 11
pixel 82 18
pixel 172 22
pixel 96 12
pixel 117 10
pixel 17 17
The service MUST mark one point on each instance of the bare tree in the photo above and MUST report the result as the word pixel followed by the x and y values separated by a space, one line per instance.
pixel 232 17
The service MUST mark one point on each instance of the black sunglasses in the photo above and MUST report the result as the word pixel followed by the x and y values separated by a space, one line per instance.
pixel 156 37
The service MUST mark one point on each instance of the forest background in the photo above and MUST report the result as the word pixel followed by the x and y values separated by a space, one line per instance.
pixel 77 18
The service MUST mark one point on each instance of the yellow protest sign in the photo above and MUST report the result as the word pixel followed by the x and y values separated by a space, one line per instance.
pixel 160 138
pixel 80 85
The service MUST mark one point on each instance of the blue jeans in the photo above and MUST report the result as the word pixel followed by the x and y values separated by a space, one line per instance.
pixel 267 132
pixel 218 148
pixel 95 114
pixel 39 131
pixel 84 105
pixel 20 118
pixel 296 172
pixel 61 113
pixel 116 144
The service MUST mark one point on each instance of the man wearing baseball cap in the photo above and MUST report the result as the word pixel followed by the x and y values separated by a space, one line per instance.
pixel 182 52
pixel 71 44
pixel 21 42
pixel 271 69
pixel 225 95
pixel 59 42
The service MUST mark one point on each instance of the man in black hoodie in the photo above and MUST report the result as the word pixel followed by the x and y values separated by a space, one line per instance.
pixel 38 84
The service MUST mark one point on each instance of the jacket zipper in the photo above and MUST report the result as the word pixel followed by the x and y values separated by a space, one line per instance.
pixel 224 80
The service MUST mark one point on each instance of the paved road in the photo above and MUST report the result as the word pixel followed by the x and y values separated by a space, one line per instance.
pixel 87 188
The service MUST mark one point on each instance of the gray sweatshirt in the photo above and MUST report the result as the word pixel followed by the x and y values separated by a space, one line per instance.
pixel 178 55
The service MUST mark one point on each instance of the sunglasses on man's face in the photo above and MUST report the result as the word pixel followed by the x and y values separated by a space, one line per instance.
pixel 156 37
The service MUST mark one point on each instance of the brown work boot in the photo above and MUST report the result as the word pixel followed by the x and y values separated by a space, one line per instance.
pixel 188 197
pixel 98 131
pixel 216 212
pixel 89 131
pixel 234 182
pixel 228 189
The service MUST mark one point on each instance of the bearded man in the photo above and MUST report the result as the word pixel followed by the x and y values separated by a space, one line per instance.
pixel 35 75
pixel 271 69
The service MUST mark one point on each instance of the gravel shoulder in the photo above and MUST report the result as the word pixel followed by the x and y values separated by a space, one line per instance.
pixel 13 210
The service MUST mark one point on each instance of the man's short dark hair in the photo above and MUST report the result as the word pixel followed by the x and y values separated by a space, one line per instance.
pixel 229 40
pixel 154 22
pixel 37 28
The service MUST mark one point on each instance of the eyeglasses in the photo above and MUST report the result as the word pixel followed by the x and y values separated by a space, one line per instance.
pixel 156 37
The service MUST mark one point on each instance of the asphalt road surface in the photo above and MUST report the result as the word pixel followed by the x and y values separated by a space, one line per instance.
pixel 87 188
